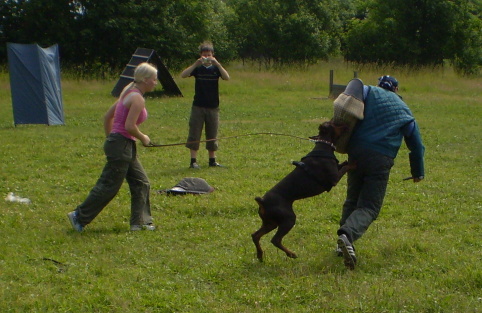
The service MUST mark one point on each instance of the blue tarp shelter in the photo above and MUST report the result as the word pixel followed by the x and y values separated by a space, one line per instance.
pixel 35 84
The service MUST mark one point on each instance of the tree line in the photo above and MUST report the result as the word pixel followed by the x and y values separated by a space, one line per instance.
pixel 102 34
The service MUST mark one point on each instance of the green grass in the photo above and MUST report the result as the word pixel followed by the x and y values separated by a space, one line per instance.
pixel 423 254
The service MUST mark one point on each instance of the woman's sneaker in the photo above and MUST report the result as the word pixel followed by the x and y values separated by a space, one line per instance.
pixel 348 251
pixel 143 227
pixel 75 221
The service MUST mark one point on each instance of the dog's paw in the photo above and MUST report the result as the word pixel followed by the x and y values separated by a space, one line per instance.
pixel 292 255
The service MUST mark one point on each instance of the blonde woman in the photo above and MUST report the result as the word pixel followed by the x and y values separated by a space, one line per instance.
pixel 121 125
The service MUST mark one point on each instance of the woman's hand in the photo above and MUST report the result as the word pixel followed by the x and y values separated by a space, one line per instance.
pixel 146 141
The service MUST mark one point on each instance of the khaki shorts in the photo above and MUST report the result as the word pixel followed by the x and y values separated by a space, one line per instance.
pixel 200 117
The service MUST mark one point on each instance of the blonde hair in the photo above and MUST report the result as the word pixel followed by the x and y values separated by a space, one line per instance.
pixel 143 70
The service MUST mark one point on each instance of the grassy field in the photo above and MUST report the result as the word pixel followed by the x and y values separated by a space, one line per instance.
pixel 423 254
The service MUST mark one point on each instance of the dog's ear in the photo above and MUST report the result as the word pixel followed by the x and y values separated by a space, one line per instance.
pixel 324 128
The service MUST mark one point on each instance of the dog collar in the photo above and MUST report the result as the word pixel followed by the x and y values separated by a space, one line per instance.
pixel 325 142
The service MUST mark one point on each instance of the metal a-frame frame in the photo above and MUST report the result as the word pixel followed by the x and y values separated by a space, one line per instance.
pixel 147 55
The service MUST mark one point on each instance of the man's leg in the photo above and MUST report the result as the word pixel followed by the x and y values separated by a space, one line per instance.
pixel 376 172
pixel 212 126
pixel 196 124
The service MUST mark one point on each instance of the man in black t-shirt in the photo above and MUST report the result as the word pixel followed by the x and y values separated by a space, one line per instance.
pixel 205 107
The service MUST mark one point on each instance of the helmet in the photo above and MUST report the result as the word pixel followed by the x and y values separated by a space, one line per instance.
pixel 388 82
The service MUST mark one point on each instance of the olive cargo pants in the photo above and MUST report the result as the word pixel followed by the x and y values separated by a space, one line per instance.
pixel 122 163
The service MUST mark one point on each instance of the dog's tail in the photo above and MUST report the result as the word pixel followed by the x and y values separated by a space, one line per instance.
pixel 261 210
pixel 259 200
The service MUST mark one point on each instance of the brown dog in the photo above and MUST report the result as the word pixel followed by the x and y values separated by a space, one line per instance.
pixel 317 172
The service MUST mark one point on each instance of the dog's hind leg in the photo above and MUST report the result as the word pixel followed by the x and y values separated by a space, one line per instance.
pixel 256 236
pixel 283 229
pixel 267 226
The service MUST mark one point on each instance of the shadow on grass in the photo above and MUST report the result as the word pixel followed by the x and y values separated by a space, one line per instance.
pixel 279 266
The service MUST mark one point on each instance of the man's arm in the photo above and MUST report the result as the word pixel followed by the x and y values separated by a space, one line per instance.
pixel 413 140
pixel 224 73
pixel 187 72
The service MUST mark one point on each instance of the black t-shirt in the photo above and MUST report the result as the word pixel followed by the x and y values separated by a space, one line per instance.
pixel 206 86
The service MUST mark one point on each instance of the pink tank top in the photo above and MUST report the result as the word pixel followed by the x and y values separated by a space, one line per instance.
pixel 120 117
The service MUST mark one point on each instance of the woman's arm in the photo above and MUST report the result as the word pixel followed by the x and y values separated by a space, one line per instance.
pixel 136 104
pixel 109 119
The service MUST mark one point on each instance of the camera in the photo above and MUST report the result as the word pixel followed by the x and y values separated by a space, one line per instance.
pixel 206 60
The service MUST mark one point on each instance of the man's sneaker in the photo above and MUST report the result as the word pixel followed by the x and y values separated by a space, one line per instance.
pixel 215 164
pixel 348 251
pixel 74 221
pixel 143 227
pixel 195 165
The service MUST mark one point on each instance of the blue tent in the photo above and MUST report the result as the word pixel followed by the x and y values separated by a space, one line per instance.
pixel 35 84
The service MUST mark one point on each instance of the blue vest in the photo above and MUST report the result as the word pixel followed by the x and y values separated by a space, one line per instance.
pixel 380 130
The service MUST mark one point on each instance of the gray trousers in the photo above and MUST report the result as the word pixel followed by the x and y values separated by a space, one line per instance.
pixel 367 185
pixel 122 163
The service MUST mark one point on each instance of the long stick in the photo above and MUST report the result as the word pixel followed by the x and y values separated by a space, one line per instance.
pixel 152 145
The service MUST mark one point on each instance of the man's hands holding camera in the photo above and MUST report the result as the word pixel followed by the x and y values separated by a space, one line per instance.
pixel 208 61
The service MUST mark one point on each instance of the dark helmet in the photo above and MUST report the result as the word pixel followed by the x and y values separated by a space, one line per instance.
pixel 388 83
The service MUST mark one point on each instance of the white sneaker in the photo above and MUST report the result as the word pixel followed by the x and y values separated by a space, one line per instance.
pixel 348 251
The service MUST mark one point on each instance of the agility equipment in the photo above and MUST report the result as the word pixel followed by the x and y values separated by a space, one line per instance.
pixel 335 89
pixel 147 55
pixel 35 84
